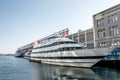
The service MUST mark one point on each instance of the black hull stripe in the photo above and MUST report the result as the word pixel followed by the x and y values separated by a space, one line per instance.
pixel 71 57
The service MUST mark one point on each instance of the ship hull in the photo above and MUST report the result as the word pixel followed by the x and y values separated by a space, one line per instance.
pixel 87 63
pixel 79 63
pixel 76 58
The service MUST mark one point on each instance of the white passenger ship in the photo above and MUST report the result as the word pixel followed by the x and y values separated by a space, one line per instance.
pixel 66 52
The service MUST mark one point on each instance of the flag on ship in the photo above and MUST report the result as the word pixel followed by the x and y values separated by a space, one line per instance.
pixel 65 33
pixel 38 42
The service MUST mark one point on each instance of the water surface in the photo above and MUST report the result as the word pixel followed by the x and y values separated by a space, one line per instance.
pixel 12 68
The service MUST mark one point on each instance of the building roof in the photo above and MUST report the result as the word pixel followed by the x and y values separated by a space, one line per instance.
pixel 113 8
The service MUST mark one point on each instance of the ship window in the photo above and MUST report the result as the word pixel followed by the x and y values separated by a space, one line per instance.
pixel 57 43
pixel 74 48
pixel 79 48
pixel 61 49
pixel 70 48
pixel 53 44
pixel 62 43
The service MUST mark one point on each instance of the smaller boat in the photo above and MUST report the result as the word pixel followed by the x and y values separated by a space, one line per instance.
pixel 114 55
pixel 112 60
pixel 18 54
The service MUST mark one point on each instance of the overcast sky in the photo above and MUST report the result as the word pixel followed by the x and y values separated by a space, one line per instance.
pixel 24 21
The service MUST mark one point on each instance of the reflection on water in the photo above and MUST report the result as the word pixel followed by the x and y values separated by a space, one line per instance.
pixel 50 72
pixel 107 74
pixel 12 68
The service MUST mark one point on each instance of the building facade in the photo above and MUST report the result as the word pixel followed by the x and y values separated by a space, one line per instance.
pixel 107 27
pixel 84 37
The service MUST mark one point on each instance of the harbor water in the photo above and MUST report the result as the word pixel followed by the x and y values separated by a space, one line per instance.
pixel 12 68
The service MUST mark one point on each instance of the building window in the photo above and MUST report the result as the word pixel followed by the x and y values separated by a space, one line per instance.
pixel 100 22
pixel 112 19
pixel 75 38
pixel 101 33
pixel 115 43
pixel 113 30
pixel 82 39
pixel 102 44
